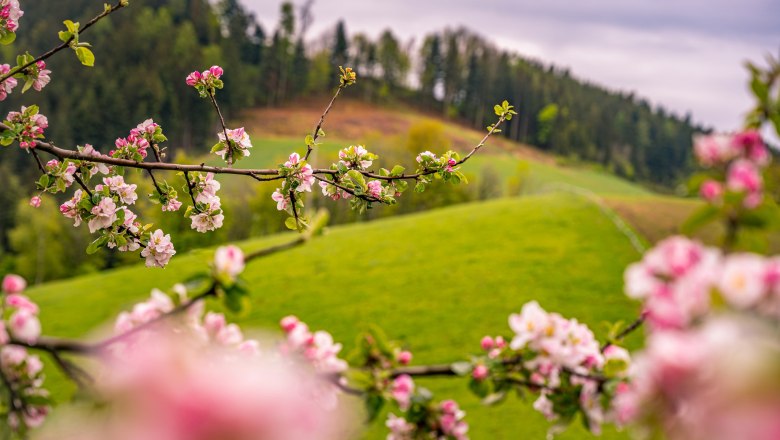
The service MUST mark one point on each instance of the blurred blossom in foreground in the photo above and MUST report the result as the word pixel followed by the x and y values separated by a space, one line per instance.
pixel 179 389
pixel 718 382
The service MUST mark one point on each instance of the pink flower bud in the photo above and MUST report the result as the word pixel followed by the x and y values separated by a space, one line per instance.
pixel 404 357
pixel 216 71
pixel 500 342
pixel 289 323
pixel 13 284
pixel 711 190
pixel 480 372
pixel 25 326
pixel 35 202
pixel 193 78
pixel 487 343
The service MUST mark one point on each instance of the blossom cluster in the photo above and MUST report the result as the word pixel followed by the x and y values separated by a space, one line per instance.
pixel 348 182
pixel 442 421
pixel 444 166
pixel 299 177
pixel 736 161
pixel 557 357
pixel 235 145
pixel 317 348
pixel 26 126
pixel 715 381
pixel 677 278
pixel 182 387
pixel 22 371
pixel 206 213
pixel 207 81
pixel 10 13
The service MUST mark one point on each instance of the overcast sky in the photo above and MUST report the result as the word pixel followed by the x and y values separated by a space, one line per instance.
pixel 684 54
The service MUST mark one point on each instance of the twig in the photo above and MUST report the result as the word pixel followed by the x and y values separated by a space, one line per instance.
pixel 347 190
pixel 224 129
pixel 64 45
pixel 316 134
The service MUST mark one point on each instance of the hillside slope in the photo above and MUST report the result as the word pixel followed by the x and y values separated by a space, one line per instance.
pixel 438 281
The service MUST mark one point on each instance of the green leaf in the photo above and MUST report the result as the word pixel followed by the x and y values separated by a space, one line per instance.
pixel 65 36
pixel 95 245
pixel 86 56
pixel 7 38
pixel 28 83
pixel 71 26
pixel 357 178
pixel 397 170
pixel 291 223
pixel 309 140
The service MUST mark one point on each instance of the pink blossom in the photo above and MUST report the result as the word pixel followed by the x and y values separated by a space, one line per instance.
pixel 216 71
pixel 172 205
pixel 404 357
pixel 751 145
pixel 288 323
pixel 487 343
pixel 400 429
pixel 282 200
pixel 711 190
pixel 194 78
pixel 239 142
pixel 402 390
pixel 742 280
pixel 13 284
pixel 375 189
pixel 70 208
pixel 714 149
pixel 744 176
pixel 229 260
pixel 25 326
pixel 105 214
pixel 173 389
pixel 7 86
pixel 207 221
pixel 159 250
pixel 480 372
pixel 42 76
pixel 21 302
pixel 35 202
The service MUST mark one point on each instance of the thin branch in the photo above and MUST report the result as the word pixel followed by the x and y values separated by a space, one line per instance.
pixel 190 187
pixel 154 181
pixel 274 249
pixel 349 191
pixel 82 184
pixel 425 371
pixel 64 45
pixel 224 129
pixel 316 134
pixel 626 331
pixel 38 161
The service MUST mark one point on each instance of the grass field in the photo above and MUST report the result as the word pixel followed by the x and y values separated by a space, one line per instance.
pixel 438 281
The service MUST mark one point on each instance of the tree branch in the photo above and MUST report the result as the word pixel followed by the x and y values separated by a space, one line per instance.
pixel 316 133
pixel 119 5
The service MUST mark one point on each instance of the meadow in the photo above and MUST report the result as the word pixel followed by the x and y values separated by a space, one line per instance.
pixel 437 281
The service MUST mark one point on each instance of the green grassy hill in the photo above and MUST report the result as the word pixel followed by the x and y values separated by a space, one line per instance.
pixel 438 281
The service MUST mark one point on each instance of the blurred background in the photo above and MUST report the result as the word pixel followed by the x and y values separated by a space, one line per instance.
pixel 589 173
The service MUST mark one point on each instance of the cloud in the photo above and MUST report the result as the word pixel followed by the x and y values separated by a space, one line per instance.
pixel 684 54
